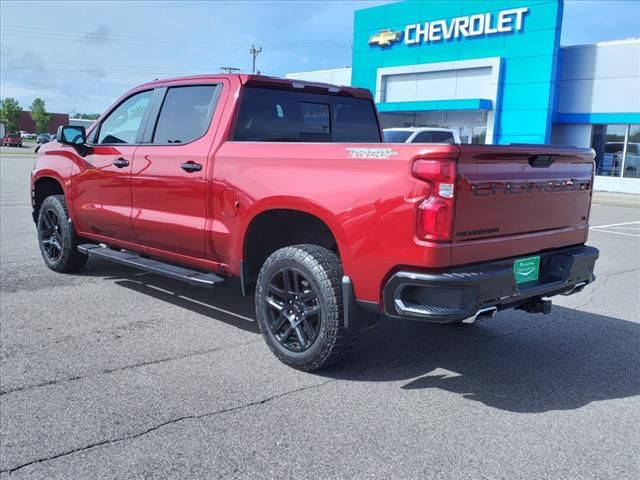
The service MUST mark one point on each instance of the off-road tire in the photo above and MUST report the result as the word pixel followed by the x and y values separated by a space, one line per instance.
pixel 68 259
pixel 322 270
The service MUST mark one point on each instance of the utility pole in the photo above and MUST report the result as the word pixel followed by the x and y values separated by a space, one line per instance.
pixel 230 69
pixel 254 53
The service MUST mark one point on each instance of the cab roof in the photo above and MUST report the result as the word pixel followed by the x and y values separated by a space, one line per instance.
pixel 266 81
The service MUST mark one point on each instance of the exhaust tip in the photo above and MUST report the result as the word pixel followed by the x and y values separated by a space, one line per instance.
pixel 578 287
pixel 487 312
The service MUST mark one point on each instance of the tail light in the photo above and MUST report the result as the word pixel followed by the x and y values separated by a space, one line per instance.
pixel 435 213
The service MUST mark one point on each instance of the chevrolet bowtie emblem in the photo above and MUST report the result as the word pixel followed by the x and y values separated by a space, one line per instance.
pixel 384 38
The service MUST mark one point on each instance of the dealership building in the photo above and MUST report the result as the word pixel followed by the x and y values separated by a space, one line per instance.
pixel 495 71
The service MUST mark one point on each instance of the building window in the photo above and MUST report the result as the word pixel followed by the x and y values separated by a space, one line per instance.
pixel 632 157
pixel 617 150
pixel 471 125
pixel 608 142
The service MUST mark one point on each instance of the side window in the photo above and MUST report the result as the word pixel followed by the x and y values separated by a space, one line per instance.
pixel 122 125
pixel 442 137
pixel 423 137
pixel 186 114
pixel 434 137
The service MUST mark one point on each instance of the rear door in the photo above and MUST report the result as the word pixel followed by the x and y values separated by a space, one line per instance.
pixel 514 190
pixel 102 189
pixel 169 174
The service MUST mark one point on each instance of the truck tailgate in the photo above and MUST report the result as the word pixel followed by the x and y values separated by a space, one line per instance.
pixel 512 190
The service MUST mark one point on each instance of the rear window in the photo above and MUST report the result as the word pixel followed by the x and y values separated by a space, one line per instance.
pixel 396 136
pixel 270 115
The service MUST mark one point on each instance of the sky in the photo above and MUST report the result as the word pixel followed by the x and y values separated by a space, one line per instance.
pixel 82 55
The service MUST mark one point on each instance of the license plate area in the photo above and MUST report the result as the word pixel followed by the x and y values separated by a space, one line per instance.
pixel 526 270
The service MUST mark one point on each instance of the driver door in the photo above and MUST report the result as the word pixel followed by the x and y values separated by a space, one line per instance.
pixel 102 189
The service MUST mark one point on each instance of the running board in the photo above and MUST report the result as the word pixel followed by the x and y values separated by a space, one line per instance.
pixel 131 259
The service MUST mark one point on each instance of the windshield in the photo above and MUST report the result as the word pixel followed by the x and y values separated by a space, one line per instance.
pixel 396 136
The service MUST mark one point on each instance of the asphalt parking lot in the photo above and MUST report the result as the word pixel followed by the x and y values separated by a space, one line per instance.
pixel 115 374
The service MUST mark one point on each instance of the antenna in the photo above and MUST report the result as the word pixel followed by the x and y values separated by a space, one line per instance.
pixel 230 70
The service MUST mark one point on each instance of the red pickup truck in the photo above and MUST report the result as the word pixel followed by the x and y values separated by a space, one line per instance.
pixel 288 186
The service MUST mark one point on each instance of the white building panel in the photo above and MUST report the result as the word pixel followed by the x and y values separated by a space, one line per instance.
pixel 618 60
pixel 402 87
pixel 335 76
pixel 475 83
pixel 430 86
pixel 601 78
pixel 616 95
pixel 439 81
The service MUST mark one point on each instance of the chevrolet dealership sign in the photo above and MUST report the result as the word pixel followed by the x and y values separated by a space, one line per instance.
pixel 505 21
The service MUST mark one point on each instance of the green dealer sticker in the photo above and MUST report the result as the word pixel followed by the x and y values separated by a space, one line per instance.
pixel 526 269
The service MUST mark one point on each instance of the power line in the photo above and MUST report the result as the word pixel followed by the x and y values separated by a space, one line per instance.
pixel 92 73
pixel 98 65
pixel 50 34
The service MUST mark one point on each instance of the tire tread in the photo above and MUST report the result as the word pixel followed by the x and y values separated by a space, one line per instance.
pixel 327 270
pixel 72 260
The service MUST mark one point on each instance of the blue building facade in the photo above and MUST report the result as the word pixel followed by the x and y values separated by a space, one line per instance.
pixel 517 95
pixel 495 71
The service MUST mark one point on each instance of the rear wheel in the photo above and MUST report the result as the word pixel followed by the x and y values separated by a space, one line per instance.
pixel 299 307
pixel 57 237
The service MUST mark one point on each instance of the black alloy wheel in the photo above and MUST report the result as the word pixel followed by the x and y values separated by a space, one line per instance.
pixel 293 309
pixel 50 234
pixel 57 237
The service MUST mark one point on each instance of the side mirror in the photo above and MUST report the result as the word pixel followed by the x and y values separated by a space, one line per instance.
pixel 71 135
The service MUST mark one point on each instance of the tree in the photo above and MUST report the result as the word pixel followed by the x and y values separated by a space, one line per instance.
pixel 39 115
pixel 87 116
pixel 10 114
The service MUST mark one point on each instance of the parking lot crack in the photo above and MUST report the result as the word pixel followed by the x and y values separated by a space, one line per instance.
pixel 126 367
pixel 165 424
pixel 597 287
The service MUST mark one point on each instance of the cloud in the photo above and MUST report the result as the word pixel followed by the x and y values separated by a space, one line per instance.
pixel 95 72
pixel 13 90
pixel 13 61
pixel 99 35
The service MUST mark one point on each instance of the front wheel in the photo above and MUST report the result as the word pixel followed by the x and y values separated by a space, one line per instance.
pixel 57 238
pixel 299 307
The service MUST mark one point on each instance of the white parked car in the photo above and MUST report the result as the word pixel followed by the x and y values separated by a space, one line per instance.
pixel 421 135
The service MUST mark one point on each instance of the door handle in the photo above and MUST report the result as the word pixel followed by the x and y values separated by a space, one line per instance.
pixel 121 163
pixel 191 167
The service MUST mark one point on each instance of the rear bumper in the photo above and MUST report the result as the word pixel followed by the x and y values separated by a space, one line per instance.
pixel 457 294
